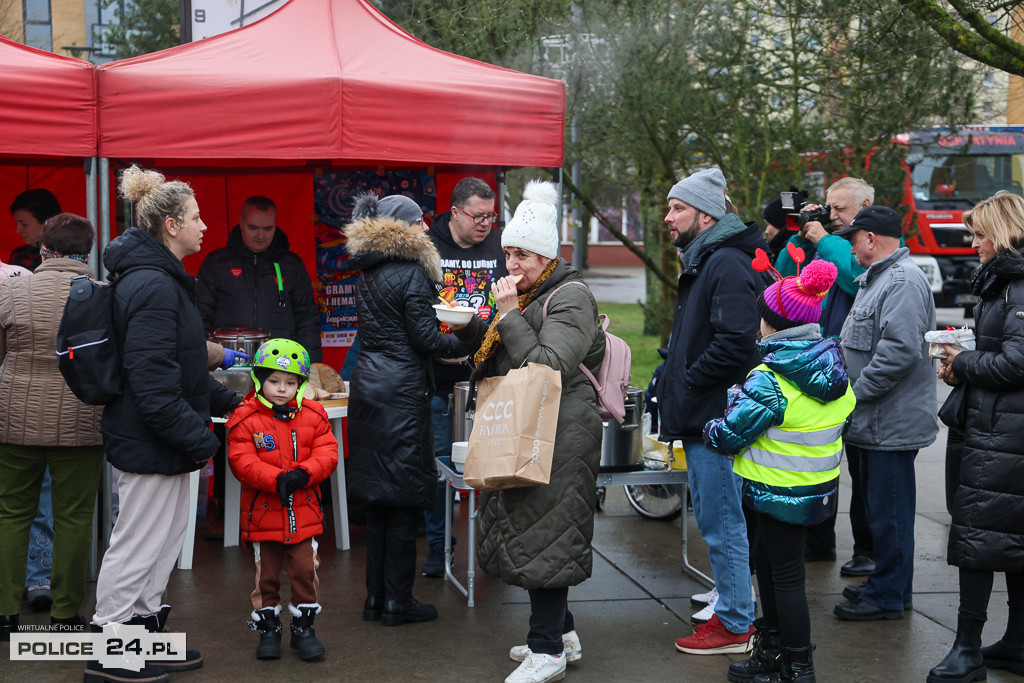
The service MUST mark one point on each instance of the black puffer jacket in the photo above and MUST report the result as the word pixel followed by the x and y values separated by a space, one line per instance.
pixel 988 508
pixel 238 288
pixel 391 446
pixel 161 423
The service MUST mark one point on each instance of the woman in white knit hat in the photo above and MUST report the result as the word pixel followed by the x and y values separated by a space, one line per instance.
pixel 539 537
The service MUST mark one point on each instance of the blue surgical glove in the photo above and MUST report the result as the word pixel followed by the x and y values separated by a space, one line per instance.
pixel 229 358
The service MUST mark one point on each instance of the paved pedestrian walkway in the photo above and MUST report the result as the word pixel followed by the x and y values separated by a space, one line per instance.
pixel 628 615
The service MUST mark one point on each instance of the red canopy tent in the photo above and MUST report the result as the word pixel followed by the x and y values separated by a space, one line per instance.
pixel 330 80
pixel 316 87
pixel 47 125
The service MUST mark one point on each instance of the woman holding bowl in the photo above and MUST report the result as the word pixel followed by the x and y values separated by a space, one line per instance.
pixel 987 533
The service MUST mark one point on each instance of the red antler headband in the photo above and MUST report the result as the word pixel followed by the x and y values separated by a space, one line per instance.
pixel 762 263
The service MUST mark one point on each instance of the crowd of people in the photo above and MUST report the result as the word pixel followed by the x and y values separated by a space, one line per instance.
pixel 786 353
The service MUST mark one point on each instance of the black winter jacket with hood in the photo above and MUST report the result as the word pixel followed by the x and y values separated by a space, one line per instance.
pixel 239 288
pixel 714 329
pixel 161 422
pixel 988 508
pixel 391 447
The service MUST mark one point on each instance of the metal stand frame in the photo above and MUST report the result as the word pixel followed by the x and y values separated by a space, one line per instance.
pixel 454 481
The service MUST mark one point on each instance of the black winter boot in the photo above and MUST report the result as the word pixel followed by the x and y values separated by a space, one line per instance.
pixel 1004 656
pixel 267 622
pixel 8 625
pixel 157 623
pixel 97 673
pixel 797 666
pixel 411 611
pixel 964 662
pixel 766 656
pixel 303 636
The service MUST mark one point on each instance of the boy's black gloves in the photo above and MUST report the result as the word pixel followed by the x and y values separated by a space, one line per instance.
pixel 289 482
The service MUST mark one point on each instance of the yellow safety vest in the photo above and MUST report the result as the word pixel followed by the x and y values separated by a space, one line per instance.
pixel 806 448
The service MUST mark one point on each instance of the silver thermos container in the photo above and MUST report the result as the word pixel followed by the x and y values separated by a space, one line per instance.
pixel 462 421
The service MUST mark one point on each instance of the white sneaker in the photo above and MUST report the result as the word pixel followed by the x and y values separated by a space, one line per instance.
pixel 702 599
pixel 537 668
pixel 703 616
pixel 570 641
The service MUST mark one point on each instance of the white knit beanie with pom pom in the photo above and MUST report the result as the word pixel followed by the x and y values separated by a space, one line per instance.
pixel 534 227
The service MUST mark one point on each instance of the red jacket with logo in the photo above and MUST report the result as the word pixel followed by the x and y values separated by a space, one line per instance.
pixel 260 447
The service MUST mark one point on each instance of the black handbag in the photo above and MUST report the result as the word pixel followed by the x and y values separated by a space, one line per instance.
pixel 953 412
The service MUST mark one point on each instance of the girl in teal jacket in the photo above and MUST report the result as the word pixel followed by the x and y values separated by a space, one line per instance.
pixel 784 429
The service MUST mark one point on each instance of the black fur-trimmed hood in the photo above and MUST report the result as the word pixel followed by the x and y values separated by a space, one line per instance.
pixel 375 240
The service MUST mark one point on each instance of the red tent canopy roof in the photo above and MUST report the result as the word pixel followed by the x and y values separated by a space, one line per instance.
pixel 327 79
pixel 47 103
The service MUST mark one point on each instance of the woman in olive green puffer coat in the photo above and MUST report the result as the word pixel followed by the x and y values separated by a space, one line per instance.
pixel 539 537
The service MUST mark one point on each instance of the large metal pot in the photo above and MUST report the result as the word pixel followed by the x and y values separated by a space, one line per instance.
pixel 242 339
pixel 622 445
pixel 462 421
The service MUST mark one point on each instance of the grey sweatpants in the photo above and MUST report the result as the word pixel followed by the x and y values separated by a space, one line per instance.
pixel 144 546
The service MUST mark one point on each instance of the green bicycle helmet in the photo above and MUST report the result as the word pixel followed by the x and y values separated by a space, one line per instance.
pixel 282 355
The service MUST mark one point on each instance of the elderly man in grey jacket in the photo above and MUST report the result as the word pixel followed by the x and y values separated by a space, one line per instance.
pixel 883 339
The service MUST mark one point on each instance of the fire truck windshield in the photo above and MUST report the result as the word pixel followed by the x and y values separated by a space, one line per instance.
pixel 951 181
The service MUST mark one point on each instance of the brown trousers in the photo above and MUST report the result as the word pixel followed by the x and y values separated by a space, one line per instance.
pixel 301 562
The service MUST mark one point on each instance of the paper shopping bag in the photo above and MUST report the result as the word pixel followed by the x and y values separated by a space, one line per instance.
pixel 513 439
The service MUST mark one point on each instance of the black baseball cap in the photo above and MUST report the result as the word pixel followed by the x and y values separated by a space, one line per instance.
pixel 880 220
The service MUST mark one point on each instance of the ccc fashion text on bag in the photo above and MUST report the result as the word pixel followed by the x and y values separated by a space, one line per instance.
pixel 513 439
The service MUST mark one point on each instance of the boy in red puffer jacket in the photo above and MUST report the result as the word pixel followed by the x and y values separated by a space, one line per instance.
pixel 281 448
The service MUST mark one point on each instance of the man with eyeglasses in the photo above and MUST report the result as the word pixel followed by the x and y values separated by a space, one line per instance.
pixel 471 259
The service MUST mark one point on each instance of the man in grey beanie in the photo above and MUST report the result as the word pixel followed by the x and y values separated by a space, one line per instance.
pixel 712 347
pixel 704 191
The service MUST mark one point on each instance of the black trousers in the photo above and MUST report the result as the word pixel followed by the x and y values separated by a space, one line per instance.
pixel 821 538
pixel 391 551
pixel 549 619
pixel 779 558
pixel 975 591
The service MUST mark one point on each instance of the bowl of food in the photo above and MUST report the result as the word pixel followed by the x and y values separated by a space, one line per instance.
pixel 453 315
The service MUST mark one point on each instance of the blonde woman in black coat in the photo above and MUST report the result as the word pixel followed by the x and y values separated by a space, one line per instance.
pixel 987 534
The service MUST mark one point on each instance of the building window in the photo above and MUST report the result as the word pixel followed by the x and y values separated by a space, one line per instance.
pixel 38 24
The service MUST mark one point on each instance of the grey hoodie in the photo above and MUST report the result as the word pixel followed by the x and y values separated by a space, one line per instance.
pixel 887 357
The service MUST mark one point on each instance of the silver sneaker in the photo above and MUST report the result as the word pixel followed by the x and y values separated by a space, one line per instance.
pixel 570 641
pixel 538 668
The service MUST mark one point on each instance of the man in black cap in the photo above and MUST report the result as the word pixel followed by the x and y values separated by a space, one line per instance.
pixel 892 377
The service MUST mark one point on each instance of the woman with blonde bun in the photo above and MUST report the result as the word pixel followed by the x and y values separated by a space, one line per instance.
pixel 158 430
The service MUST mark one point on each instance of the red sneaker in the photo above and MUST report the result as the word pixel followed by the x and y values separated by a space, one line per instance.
pixel 713 638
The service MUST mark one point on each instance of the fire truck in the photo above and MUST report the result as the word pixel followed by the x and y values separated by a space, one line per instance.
pixel 948 172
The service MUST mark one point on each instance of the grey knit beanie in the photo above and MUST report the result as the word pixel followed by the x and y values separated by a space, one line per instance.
pixel 704 191
pixel 396 206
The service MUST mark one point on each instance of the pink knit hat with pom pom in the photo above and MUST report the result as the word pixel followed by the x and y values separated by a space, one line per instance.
pixel 796 300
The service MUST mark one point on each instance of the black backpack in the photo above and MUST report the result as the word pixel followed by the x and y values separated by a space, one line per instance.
pixel 88 353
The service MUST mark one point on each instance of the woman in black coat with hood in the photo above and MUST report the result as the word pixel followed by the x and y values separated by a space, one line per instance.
pixel 391 463
pixel 987 534
pixel 158 430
